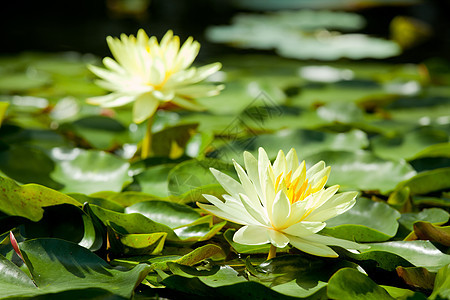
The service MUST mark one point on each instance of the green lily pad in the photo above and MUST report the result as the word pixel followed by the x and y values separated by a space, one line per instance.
pixel 352 284
pixel 161 262
pixel 442 284
pixel 52 268
pixel 168 213
pixel 408 145
pixel 136 244
pixel 154 180
pixel 307 142
pixel 28 165
pixel 92 171
pixel 193 174
pixel 99 131
pixel 28 200
pixel 404 252
pixel 362 170
pixel 137 223
pixel 433 215
pixel 428 181
pixel 359 224
pixel 134 223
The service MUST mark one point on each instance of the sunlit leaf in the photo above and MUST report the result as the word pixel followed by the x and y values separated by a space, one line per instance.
pixel 92 171
pixel 362 170
pixel 352 284
pixel 399 253
pixel 429 181
pixel 28 200
pixel 358 223
pixel 52 269
pixel 442 284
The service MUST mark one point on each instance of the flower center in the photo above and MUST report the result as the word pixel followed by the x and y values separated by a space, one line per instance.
pixel 297 189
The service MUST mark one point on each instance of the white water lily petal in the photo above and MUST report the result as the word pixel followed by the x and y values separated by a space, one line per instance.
pixel 233 210
pixel 251 235
pixel 144 107
pixel 292 160
pixel 281 209
pixel 319 175
pixel 256 212
pixel 312 248
pixel 279 165
pixel 314 169
pixel 198 91
pixel 189 104
pixel 332 241
pixel 336 205
pixel 230 185
pixel 205 71
pixel 163 95
pixel 220 213
pixel 278 239
pixel 249 188
pixel 251 166
pixel 304 228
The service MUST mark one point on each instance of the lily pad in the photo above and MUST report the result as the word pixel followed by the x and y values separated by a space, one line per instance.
pixel 358 223
pixel 52 268
pixel 28 200
pixel 352 284
pixel 410 251
pixel 92 171
pixel 362 170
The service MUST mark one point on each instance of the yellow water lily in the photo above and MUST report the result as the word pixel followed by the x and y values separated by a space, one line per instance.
pixel 153 74
pixel 281 204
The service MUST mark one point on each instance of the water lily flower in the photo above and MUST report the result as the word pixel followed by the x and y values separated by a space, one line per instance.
pixel 153 75
pixel 282 204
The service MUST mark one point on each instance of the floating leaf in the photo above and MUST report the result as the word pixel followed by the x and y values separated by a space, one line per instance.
pixel 442 284
pixel 101 132
pixel 92 171
pixel 193 174
pixel 433 215
pixel 408 145
pixel 352 284
pixel 154 180
pixel 136 244
pixel 428 181
pixel 358 223
pixel 28 165
pixel 307 141
pixel 52 268
pixel 28 200
pixel 362 170
pixel 408 251
pixel 427 231
pixel 417 277
pixel 168 213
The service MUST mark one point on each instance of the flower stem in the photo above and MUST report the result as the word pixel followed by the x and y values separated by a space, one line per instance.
pixel 146 149
pixel 272 252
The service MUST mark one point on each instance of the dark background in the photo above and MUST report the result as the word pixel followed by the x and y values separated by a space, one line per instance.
pixel 83 25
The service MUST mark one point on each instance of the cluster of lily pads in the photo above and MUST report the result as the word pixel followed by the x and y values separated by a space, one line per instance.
pixel 84 215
